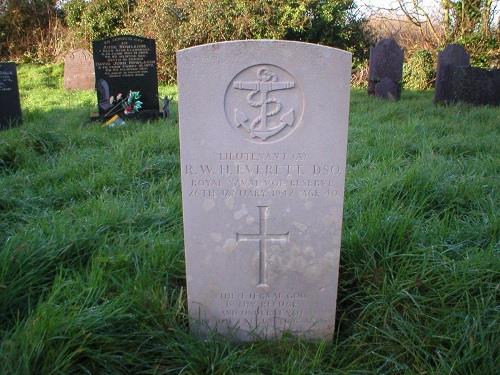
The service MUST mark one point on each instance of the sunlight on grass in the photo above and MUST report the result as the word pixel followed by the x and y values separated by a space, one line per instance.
pixel 92 263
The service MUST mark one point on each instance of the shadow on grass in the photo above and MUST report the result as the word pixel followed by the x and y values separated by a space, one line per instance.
pixel 48 132
pixel 68 188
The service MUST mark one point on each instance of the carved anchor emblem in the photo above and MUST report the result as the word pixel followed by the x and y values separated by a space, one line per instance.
pixel 269 106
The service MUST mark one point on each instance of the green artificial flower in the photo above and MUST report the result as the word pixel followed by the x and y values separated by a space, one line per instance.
pixel 133 104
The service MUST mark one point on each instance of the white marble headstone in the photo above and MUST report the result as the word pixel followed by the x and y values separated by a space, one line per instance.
pixel 263 128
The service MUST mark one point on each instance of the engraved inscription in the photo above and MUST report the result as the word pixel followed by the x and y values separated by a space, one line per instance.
pixel 276 175
pixel 81 56
pixel 262 238
pixel 122 64
pixel 122 60
pixel 265 102
pixel 262 310
pixel 6 80
pixel 79 70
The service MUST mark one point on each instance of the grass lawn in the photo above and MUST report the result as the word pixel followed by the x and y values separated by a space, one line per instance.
pixel 92 266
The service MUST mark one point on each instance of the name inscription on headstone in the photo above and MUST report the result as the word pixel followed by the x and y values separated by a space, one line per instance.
pixel 263 147
pixel 126 63
pixel 272 175
pixel 6 80
pixel 10 108
pixel 125 60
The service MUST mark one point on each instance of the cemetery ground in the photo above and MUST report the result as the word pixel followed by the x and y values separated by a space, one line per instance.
pixel 92 264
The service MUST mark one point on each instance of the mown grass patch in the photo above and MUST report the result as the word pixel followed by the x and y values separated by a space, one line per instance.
pixel 92 266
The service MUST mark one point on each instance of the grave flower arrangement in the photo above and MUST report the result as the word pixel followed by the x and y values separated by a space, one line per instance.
pixel 132 103
pixel 129 104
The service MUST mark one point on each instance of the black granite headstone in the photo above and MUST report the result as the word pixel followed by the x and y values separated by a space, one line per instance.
pixel 386 61
pixel 452 56
pixel 475 85
pixel 10 105
pixel 123 64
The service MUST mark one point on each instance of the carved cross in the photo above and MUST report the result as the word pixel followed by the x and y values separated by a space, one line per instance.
pixel 263 237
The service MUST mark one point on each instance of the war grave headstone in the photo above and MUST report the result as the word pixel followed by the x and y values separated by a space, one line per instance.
pixel 10 108
pixel 263 131
pixel 79 70
pixel 452 56
pixel 123 64
pixel 386 63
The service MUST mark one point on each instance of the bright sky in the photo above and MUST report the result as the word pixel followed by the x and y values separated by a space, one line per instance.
pixel 431 6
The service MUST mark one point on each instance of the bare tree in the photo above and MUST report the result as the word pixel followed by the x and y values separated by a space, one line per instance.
pixel 416 13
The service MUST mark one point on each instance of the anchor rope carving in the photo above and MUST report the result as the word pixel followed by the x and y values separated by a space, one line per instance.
pixel 260 103
pixel 269 106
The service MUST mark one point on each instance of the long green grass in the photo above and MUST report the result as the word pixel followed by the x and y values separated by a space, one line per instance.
pixel 92 266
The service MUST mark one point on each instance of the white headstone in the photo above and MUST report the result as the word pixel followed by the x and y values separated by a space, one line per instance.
pixel 263 129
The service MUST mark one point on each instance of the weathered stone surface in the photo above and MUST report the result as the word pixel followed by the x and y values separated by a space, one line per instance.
pixel 386 61
pixel 79 70
pixel 263 128
pixel 475 85
pixel 10 108
pixel 452 56
pixel 387 89
pixel 124 63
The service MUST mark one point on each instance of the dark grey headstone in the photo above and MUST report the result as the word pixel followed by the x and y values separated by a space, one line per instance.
pixel 386 61
pixel 10 104
pixel 125 63
pixel 79 70
pixel 452 56
pixel 387 89
pixel 476 86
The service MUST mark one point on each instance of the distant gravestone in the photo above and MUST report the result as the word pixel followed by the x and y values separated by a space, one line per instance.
pixel 387 89
pixel 386 62
pixel 79 70
pixel 126 63
pixel 10 104
pixel 452 56
pixel 263 154
pixel 475 85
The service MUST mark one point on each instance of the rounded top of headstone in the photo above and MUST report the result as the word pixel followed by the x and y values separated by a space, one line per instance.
pixel 386 60
pixel 78 53
pixel 388 46
pixel 124 38
pixel 454 54
pixel 388 43
pixel 249 43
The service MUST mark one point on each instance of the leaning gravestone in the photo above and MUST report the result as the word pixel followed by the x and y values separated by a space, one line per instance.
pixel 454 55
pixel 386 62
pixel 10 107
pixel 79 70
pixel 123 64
pixel 263 128
pixel 475 85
